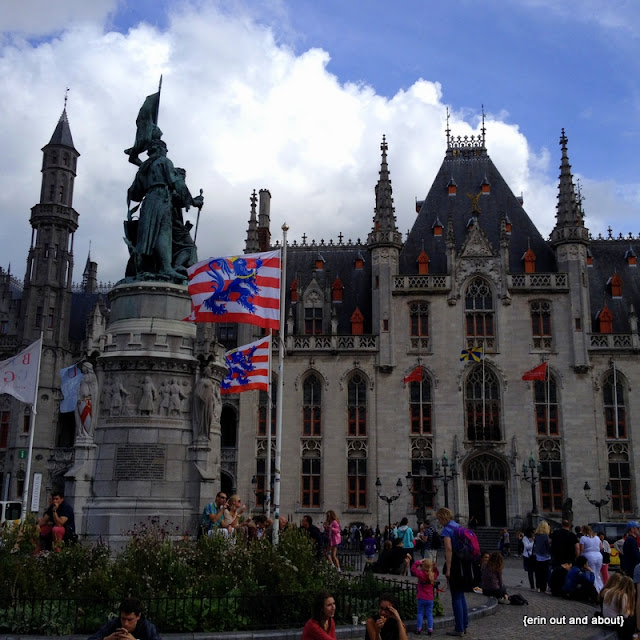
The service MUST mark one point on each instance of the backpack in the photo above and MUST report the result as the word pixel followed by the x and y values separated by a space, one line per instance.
pixel 516 598
pixel 465 545
pixel 436 541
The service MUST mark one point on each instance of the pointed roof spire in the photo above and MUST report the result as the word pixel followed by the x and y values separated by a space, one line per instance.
pixel 62 132
pixel 568 209
pixel 569 213
pixel 384 218
pixel 252 245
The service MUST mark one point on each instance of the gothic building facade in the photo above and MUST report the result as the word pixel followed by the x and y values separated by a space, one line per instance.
pixel 377 401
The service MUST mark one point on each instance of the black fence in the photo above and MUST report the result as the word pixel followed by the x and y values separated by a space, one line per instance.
pixel 358 596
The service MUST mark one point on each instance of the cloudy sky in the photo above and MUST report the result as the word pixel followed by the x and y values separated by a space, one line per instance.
pixel 295 95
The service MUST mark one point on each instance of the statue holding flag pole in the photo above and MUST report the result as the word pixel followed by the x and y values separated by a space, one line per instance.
pixel 159 242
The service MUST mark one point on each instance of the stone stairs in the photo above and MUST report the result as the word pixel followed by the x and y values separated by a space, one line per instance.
pixel 488 537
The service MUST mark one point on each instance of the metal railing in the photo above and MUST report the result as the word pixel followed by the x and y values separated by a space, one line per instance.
pixel 358 595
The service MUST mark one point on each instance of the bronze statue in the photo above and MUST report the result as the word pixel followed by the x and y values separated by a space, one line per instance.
pixel 160 243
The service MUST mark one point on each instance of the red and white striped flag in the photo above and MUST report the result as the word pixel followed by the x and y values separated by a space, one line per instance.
pixel 248 367
pixel 243 289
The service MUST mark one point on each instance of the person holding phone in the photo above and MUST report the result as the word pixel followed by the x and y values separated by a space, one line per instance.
pixel 129 625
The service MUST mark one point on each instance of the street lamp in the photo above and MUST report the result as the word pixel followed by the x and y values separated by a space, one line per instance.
pixel 446 473
pixel 598 503
pixel 529 475
pixel 422 490
pixel 388 499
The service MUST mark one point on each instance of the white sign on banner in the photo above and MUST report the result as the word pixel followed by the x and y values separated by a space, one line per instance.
pixel 35 495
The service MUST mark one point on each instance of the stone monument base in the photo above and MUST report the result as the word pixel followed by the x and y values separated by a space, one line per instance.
pixel 145 465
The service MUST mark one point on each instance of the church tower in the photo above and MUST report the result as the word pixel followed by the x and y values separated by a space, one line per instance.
pixel 570 239
pixel 47 282
pixel 46 303
pixel 385 242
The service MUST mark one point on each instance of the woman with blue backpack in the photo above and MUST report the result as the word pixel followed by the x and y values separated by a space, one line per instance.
pixel 461 549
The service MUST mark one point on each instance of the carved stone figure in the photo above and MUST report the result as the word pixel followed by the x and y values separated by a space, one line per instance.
pixel 146 405
pixel 165 399
pixel 207 405
pixel 87 403
pixel 118 406
pixel 175 398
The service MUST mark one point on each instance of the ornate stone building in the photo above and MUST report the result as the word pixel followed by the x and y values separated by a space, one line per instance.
pixel 473 273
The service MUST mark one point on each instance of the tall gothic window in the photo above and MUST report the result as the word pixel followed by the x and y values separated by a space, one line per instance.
pixel 478 307
pixel 482 404
pixel 261 476
pixel 310 497
pixel 357 406
pixel 614 407
pixel 620 478
pixel 357 483
pixel 312 406
pixel 420 405
pixel 541 324
pixel 419 314
pixel 550 473
pixel 546 406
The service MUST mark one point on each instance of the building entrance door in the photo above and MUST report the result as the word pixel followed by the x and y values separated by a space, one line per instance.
pixel 476 503
pixel 487 490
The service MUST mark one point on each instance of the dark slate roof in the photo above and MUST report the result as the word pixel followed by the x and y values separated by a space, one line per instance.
pixel 609 258
pixel 62 133
pixel 469 171
pixel 339 260
pixel 82 304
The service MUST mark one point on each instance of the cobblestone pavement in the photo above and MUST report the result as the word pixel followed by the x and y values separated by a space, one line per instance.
pixel 550 618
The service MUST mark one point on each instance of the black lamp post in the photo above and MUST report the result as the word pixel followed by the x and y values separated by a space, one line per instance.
pixel 388 499
pixel 529 474
pixel 446 473
pixel 422 491
pixel 598 503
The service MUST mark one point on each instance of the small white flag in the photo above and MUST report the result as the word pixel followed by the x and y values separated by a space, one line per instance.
pixel 19 375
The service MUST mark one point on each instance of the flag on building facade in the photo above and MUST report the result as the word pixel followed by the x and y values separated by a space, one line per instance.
pixel 414 376
pixel 19 375
pixel 70 379
pixel 537 373
pixel 474 354
pixel 243 289
pixel 248 367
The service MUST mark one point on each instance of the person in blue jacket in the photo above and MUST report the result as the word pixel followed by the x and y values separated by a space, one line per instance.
pixel 129 625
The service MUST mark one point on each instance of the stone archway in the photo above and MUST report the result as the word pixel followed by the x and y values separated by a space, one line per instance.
pixel 486 478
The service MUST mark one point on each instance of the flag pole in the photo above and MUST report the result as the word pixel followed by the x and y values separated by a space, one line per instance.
pixel 615 398
pixel 276 479
pixel 32 428
pixel 267 491
pixel 548 379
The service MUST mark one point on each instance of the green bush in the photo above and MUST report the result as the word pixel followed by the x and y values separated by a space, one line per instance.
pixel 214 584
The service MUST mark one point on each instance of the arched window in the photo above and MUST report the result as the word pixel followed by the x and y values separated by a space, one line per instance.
pixel 550 474
pixel 357 406
pixel 312 406
pixel 614 406
pixel 420 405
pixel 546 406
pixel 482 401
pixel 478 307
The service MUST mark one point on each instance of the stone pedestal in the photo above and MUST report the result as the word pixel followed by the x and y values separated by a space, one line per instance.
pixel 147 370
